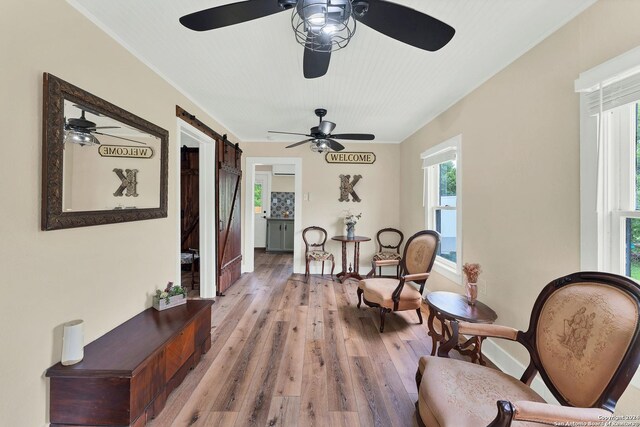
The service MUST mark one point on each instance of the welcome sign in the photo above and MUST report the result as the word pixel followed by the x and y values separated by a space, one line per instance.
pixel 125 151
pixel 363 158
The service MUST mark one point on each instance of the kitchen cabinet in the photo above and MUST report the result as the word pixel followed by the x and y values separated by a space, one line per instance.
pixel 279 235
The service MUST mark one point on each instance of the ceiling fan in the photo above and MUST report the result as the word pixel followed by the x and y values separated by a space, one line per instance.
pixel 81 131
pixel 322 139
pixel 323 26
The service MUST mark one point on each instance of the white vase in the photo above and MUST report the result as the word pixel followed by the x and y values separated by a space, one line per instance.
pixel 351 231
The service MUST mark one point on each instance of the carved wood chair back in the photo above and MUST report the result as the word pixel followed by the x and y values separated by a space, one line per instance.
pixel 584 338
pixel 320 238
pixel 392 236
pixel 420 254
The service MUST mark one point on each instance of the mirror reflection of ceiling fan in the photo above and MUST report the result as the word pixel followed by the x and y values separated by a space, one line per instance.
pixel 322 140
pixel 83 132
pixel 323 26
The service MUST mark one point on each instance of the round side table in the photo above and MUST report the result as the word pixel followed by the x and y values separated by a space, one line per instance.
pixel 447 306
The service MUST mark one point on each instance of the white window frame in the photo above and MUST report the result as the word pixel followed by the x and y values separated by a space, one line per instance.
pixel 445 267
pixel 605 197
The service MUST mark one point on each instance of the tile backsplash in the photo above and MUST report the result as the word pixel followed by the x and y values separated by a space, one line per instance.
pixel 282 202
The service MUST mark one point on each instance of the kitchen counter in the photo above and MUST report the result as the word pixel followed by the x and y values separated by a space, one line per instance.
pixel 279 219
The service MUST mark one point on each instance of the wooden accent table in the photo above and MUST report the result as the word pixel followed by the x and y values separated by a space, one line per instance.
pixel 127 374
pixel 344 275
pixel 447 306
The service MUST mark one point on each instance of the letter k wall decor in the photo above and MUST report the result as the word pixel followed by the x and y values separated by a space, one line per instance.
pixel 347 188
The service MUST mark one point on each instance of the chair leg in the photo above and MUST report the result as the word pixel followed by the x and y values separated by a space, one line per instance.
pixel 306 270
pixel 333 266
pixel 322 268
pixel 383 311
pixel 359 297
pixel 419 315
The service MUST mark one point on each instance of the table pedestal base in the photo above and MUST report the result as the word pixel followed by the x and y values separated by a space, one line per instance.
pixel 472 347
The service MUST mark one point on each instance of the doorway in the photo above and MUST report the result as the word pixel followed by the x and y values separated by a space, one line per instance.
pixel 287 205
pixel 261 205
pixel 200 151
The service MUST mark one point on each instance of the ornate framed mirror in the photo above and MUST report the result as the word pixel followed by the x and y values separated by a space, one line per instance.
pixel 100 164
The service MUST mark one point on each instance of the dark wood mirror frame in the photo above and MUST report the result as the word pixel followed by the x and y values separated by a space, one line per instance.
pixel 56 91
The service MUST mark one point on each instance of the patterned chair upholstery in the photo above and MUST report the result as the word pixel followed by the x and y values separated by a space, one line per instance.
pixel 388 254
pixel 583 338
pixel 314 250
pixel 397 294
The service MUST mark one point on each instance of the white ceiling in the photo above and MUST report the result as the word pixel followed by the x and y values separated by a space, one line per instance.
pixel 249 76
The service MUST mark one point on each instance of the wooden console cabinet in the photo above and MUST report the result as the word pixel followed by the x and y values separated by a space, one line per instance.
pixel 127 374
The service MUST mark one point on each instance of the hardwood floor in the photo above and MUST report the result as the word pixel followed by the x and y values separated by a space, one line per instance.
pixel 289 353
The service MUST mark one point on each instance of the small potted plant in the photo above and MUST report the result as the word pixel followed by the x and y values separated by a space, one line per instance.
pixel 172 296
pixel 350 221
pixel 471 272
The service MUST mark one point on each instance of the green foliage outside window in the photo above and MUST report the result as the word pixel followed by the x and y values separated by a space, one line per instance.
pixel 447 179
pixel 257 198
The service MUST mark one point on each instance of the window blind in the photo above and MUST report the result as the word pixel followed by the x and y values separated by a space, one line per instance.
pixel 618 93
pixel 439 157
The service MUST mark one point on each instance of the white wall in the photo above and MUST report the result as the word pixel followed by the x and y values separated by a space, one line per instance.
pixel 103 274
pixel 520 133
pixel 378 190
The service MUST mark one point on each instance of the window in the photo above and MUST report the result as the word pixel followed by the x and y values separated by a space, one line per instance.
pixel 257 198
pixel 442 202
pixel 621 213
pixel 610 166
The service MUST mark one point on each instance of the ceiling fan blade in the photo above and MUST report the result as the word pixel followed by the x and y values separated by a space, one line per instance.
pixel 299 143
pixel 120 137
pixel 104 127
pixel 230 14
pixel 288 133
pixel 406 25
pixel 354 136
pixel 335 145
pixel 314 63
pixel 326 127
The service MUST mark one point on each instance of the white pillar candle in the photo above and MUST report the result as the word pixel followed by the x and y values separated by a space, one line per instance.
pixel 73 342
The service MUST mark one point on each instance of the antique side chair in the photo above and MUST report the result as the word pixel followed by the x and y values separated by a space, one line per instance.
pixel 388 254
pixel 314 249
pixel 399 294
pixel 583 339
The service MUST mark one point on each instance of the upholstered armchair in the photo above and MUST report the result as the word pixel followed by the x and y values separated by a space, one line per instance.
pixel 314 248
pixel 388 254
pixel 583 339
pixel 401 294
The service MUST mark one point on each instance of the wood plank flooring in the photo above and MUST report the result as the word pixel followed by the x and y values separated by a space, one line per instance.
pixel 289 353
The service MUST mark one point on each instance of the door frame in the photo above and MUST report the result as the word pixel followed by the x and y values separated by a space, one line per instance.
pixel 249 219
pixel 268 207
pixel 207 207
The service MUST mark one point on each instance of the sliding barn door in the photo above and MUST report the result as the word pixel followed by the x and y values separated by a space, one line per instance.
pixel 190 196
pixel 229 239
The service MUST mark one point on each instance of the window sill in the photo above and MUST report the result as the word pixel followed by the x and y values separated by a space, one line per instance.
pixel 448 272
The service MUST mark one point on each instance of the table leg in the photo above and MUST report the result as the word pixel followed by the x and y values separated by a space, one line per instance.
pixel 356 258
pixel 344 257
pixel 432 332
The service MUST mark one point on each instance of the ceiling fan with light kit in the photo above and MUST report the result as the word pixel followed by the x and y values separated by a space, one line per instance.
pixel 324 26
pixel 321 139
pixel 82 131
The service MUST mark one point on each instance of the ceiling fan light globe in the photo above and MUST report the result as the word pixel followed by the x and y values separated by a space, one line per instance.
pixel 80 138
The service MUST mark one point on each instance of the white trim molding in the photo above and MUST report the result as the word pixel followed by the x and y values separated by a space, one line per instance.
pixel 207 207
pixel 451 149
pixel 249 224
